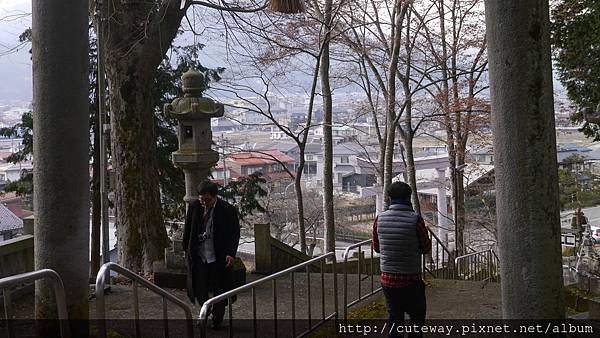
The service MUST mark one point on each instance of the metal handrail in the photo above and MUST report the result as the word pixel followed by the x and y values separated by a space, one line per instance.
pixel 59 294
pixel 373 290
pixel 136 279
pixel 444 254
pixel 471 254
pixel 438 240
pixel 204 311
pixel 474 262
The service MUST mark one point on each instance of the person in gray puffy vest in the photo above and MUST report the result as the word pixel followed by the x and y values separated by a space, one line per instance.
pixel 400 236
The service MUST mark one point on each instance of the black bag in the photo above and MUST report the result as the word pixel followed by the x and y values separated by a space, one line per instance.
pixel 238 276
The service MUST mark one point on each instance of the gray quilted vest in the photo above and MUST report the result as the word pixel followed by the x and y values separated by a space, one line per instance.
pixel 398 241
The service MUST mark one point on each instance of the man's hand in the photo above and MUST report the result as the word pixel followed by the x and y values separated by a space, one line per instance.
pixel 229 261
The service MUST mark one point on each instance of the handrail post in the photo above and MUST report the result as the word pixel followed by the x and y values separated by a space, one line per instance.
pixel 335 295
pixel 308 298
pixel 100 305
pixel 7 311
pixel 359 271
pixel 61 304
pixel 203 318
pixel 372 267
pixel 345 269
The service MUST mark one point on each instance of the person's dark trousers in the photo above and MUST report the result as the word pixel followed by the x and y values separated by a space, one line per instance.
pixel 410 300
pixel 210 277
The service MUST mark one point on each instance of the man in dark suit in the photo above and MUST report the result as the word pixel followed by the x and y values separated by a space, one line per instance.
pixel 210 240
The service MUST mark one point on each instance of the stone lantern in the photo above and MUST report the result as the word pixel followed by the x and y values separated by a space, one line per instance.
pixel 195 157
pixel 194 112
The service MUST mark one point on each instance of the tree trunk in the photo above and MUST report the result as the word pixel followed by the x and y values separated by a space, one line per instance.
pixel 328 215
pixel 406 129
pixel 96 210
pixel 447 108
pixel 461 246
pixel 300 201
pixel 302 151
pixel 411 170
pixel 141 231
pixel 388 161
pixel 139 35
pixel 528 208
pixel 400 9
pixel 61 146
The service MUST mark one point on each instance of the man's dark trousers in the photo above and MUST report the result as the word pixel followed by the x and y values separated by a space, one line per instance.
pixel 409 299
pixel 211 277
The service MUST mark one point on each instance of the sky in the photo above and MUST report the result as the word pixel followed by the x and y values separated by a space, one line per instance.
pixel 15 67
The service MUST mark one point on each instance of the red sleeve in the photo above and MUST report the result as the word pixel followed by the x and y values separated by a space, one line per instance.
pixel 375 237
pixel 423 234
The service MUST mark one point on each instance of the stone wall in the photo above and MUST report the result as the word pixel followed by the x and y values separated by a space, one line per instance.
pixel 272 255
pixel 16 256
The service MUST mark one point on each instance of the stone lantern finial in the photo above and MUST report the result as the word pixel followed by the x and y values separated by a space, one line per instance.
pixel 193 83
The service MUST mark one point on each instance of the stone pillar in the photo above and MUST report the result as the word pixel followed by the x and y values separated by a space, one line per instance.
pixel 28 225
pixel 262 248
pixel 527 200
pixel 61 145
pixel 442 207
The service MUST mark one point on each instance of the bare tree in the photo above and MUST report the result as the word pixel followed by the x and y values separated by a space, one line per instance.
pixel 383 38
pixel 270 42
pixel 326 16
pixel 454 38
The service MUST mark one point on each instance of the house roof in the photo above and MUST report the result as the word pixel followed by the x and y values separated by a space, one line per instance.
pixel 278 175
pixel 572 147
pixel 224 122
pixel 586 155
pixel 8 220
pixel 351 148
pixel 17 209
pixel 259 157
pixel 281 146
pixel 4 155
pixel 9 196
pixel 344 167
pixel 484 150
pixel 25 165
pixel 313 148
pixel 428 153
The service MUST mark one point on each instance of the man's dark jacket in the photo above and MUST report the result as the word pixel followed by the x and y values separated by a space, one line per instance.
pixel 226 236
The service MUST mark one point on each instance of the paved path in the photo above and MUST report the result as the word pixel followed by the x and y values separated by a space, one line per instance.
pixel 120 300
pixel 446 299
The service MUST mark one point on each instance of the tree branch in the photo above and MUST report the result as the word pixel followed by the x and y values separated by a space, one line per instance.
pixel 228 8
